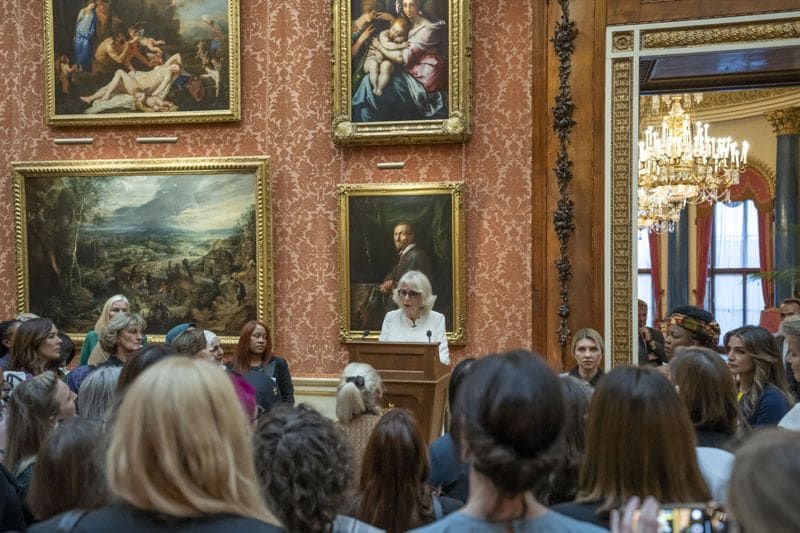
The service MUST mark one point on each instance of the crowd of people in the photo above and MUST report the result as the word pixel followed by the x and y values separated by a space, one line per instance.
pixel 176 436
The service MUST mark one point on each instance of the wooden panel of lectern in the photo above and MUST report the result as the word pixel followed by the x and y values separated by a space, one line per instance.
pixel 413 377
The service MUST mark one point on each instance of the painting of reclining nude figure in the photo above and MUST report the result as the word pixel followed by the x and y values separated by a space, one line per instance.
pixel 142 61
pixel 185 241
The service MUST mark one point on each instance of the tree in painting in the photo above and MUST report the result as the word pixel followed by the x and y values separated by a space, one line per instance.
pixel 180 247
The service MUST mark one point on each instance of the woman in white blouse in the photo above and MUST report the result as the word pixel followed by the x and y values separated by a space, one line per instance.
pixel 415 320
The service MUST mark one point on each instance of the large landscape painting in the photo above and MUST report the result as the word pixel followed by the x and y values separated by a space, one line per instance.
pixel 187 246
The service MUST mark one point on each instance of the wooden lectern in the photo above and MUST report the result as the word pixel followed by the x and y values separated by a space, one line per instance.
pixel 413 376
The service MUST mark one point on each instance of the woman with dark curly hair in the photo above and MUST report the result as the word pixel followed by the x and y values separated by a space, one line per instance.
pixel 305 495
pixel 393 493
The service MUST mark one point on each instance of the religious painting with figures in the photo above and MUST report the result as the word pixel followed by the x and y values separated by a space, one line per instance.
pixel 406 76
pixel 184 240
pixel 387 230
pixel 142 61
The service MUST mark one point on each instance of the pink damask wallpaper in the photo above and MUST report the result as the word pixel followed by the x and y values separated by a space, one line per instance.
pixel 286 86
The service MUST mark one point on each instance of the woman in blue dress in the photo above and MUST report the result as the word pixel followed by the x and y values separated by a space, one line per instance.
pixel 418 88
pixel 85 27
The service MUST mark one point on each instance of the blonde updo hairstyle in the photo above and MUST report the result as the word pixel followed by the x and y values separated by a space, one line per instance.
pixel 181 445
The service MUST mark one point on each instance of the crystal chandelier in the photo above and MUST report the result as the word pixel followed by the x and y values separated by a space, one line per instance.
pixel 681 163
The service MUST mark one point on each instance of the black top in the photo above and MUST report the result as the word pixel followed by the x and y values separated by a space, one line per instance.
pixel 11 514
pixel 272 382
pixel 121 518
pixel 593 382
pixel 713 439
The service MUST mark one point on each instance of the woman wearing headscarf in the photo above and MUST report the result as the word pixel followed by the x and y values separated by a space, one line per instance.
pixel 688 325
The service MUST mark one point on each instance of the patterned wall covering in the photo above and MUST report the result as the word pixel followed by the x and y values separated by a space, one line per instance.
pixel 286 87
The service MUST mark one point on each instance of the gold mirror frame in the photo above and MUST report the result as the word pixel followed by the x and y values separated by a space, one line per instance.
pixel 625 47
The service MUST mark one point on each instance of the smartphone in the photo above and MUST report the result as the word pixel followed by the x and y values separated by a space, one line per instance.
pixel 691 518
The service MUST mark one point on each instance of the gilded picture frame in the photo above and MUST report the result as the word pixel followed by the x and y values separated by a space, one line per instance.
pixel 401 71
pixel 369 215
pixel 185 240
pixel 141 62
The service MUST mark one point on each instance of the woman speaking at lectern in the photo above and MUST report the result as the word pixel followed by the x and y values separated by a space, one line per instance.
pixel 415 320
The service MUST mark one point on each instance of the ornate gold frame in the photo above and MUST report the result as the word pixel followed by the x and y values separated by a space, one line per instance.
pixel 456 128
pixel 625 46
pixel 454 191
pixel 259 167
pixel 232 113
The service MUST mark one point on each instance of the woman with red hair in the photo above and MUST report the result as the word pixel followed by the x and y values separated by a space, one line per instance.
pixel 267 373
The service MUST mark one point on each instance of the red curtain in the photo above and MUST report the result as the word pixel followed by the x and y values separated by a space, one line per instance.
pixel 753 185
pixel 766 255
pixel 704 222
pixel 654 240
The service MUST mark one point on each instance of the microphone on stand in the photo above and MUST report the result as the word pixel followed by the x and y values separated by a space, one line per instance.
pixel 429 334
pixel 365 334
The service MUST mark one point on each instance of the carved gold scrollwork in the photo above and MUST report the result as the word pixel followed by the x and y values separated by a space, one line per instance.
pixel 728 33
pixel 621 253
pixel 785 121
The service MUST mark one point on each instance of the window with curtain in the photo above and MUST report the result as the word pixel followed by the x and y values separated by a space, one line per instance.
pixel 733 296
pixel 644 285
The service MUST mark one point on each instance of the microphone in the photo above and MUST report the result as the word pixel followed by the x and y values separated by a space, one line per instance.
pixel 429 334
pixel 365 334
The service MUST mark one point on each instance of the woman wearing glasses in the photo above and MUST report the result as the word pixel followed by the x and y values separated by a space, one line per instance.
pixel 415 320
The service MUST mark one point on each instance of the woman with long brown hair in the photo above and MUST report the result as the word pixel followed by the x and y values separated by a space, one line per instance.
pixel 639 440
pixel 36 348
pixel 393 493
pixel 267 373
pixel 754 359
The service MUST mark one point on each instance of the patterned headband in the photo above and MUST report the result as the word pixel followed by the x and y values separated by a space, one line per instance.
pixel 710 330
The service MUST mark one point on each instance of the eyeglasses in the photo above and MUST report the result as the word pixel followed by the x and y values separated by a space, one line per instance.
pixel 411 294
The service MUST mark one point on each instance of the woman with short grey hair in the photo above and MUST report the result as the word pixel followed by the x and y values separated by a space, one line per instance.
pixel 98 393
pixel 415 320
pixel 121 336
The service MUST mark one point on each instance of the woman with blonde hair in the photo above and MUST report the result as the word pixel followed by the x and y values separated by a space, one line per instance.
pixel 115 305
pixel 588 350
pixel 180 457
pixel 358 409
